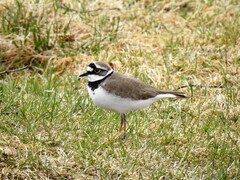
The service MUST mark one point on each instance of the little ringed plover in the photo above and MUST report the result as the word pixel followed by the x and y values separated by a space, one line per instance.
pixel 117 92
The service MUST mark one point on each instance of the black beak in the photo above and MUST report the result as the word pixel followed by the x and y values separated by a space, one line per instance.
pixel 84 74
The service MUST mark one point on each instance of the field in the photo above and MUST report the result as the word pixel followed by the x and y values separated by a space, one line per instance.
pixel 50 128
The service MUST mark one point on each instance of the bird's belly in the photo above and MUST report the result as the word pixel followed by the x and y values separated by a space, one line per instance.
pixel 112 102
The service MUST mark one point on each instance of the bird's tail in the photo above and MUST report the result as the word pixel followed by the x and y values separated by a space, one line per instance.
pixel 171 94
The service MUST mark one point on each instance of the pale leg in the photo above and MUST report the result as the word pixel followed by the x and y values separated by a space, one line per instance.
pixel 123 125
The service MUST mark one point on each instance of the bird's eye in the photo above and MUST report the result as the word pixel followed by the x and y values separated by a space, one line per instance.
pixel 97 70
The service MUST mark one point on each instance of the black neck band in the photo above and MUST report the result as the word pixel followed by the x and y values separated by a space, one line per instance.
pixel 94 85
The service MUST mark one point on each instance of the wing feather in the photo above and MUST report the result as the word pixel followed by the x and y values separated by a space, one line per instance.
pixel 132 88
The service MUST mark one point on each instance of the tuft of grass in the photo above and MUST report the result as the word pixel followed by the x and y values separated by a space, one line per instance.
pixel 50 128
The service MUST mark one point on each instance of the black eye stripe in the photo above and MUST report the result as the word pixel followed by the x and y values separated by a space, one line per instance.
pixel 97 70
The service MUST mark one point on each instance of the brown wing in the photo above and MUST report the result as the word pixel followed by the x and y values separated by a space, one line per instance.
pixel 128 87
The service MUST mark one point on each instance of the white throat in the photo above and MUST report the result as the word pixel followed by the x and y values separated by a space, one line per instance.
pixel 94 77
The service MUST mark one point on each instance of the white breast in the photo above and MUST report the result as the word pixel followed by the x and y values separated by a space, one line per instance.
pixel 105 100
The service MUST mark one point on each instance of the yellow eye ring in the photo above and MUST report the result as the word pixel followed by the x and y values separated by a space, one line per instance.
pixel 97 70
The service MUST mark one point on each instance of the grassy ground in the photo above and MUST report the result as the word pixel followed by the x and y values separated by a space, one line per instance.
pixel 50 129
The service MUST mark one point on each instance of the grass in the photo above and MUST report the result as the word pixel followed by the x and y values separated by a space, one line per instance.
pixel 50 129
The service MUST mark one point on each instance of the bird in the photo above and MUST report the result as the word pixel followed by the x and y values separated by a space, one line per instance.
pixel 117 92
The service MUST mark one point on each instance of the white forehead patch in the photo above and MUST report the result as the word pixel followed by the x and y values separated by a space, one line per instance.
pixel 89 69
